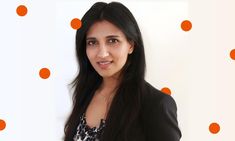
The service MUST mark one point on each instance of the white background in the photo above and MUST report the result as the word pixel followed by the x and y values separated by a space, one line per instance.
pixel 195 65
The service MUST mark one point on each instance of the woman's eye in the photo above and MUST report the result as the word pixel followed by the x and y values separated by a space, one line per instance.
pixel 91 43
pixel 112 41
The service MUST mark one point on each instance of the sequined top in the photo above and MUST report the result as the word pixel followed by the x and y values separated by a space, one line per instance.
pixel 85 133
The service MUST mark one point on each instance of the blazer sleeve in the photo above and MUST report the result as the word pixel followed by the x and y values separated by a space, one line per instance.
pixel 161 119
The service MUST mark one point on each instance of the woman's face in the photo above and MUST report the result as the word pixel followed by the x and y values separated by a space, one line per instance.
pixel 107 48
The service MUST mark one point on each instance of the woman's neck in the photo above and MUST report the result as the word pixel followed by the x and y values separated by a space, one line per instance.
pixel 108 85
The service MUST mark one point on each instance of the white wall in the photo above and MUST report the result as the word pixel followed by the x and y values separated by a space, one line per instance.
pixel 195 65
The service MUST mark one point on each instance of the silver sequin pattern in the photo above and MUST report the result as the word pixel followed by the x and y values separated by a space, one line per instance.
pixel 85 133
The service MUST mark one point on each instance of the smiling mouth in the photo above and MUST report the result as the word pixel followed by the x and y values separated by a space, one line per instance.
pixel 104 64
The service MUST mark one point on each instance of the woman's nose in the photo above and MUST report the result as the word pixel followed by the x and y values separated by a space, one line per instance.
pixel 103 51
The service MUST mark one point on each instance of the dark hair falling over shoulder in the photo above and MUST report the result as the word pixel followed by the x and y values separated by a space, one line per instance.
pixel 125 107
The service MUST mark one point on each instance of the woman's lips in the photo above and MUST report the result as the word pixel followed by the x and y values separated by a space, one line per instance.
pixel 104 64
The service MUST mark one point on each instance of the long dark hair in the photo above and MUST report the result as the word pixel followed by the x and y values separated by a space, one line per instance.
pixel 126 104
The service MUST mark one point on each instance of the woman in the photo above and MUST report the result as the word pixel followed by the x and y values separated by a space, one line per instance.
pixel 112 101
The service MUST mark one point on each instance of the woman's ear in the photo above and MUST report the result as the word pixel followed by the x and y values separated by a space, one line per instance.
pixel 131 48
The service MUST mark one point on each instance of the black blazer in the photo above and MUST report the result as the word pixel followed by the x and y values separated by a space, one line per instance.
pixel 158 118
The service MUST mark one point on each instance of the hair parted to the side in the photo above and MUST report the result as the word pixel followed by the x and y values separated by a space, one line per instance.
pixel 125 107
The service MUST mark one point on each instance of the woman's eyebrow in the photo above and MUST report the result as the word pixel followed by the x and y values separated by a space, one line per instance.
pixel 112 36
pixel 109 36
pixel 90 38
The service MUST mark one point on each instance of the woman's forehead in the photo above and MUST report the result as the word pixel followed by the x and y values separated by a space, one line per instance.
pixel 103 29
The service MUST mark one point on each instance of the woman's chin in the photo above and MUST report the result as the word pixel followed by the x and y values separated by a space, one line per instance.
pixel 105 75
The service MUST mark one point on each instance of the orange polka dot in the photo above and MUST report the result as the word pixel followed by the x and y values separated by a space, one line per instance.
pixel 21 10
pixel 76 23
pixel 2 124
pixel 44 73
pixel 214 128
pixel 232 54
pixel 186 25
pixel 166 90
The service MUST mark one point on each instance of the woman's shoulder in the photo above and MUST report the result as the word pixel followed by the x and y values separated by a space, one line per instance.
pixel 159 115
pixel 152 97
